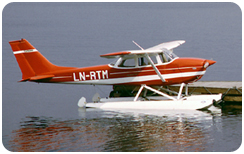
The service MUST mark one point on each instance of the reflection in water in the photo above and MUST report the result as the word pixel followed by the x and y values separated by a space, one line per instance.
pixel 99 130
pixel 154 135
pixel 48 134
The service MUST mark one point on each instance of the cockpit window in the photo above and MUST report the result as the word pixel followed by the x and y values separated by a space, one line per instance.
pixel 113 62
pixel 154 59
pixel 127 63
pixel 142 61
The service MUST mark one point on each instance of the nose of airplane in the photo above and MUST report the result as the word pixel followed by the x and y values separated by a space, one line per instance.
pixel 208 63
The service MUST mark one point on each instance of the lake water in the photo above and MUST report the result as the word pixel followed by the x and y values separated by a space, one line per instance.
pixel 45 117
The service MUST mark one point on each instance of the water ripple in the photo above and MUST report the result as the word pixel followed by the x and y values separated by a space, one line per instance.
pixel 114 131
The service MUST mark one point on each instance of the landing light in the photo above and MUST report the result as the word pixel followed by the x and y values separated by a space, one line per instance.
pixel 206 65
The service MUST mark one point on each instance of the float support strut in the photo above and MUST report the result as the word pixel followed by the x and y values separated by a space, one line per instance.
pixel 180 91
pixel 153 90
pixel 186 89
pixel 139 92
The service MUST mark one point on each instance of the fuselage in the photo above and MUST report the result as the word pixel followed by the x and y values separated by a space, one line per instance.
pixel 179 70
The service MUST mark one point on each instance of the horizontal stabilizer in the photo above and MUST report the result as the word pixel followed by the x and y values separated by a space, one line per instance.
pixel 39 77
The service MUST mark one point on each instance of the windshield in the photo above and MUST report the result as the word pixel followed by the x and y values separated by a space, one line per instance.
pixel 169 55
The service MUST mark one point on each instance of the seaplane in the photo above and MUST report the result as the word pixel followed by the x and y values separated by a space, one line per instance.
pixel 146 68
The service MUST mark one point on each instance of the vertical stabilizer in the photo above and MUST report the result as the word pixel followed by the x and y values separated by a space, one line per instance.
pixel 31 62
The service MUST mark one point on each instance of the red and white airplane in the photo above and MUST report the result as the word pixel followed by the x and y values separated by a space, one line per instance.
pixel 157 65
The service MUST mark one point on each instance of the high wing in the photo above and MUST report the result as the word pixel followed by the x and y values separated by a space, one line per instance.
pixel 129 53
pixel 167 45
pixel 155 49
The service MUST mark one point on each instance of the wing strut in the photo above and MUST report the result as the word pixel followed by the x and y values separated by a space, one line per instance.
pixel 154 67
pixel 151 62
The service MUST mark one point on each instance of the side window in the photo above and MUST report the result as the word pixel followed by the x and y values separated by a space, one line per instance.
pixel 163 58
pixel 154 59
pixel 127 63
pixel 142 61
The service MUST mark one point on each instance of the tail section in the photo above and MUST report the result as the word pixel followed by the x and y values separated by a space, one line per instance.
pixel 33 65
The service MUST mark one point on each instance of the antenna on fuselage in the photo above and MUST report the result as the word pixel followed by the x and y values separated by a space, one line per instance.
pixel 137 45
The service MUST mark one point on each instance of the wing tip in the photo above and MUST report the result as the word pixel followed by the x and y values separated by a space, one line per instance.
pixel 181 41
